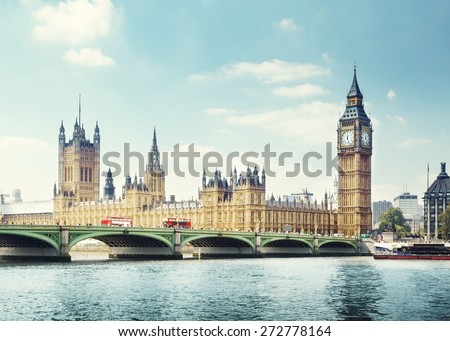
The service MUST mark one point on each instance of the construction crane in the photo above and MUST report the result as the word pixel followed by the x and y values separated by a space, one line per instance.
pixel 306 195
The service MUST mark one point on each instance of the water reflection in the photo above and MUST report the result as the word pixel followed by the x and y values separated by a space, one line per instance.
pixel 354 291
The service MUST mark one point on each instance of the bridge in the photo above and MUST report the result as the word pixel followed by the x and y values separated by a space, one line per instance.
pixel 55 242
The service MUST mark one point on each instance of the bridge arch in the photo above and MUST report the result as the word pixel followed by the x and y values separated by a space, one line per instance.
pixel 98 236
pixel 265 242
pixel 42 240
pixel 286 247
pixel 33 235
pixel 246 241
pixel 331 246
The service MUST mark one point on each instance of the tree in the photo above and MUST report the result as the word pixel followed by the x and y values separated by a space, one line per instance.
pixel 444 219
pixel 401 231
pixel 391 218
pixel 421 233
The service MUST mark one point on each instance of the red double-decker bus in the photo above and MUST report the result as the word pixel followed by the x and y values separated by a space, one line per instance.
pixel 177 223
pixel 115 221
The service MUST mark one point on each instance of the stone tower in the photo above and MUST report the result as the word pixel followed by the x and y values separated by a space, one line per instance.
pixel 109 191
pixel 145 193
pixel 234 203
pixel 78 167
pixel 354 134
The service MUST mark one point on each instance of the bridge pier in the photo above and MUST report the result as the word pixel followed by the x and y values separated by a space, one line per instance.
pixel 258 252
pixel 177 245
pixel 316 246
pixel 64 255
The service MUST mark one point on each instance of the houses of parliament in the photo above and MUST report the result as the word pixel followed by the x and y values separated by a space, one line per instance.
pixel 237 201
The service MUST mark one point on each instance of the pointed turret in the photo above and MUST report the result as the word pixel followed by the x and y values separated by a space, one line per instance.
pixel 263 177
pixel 154 156
pixel 109 189
pixel 355 107
pixel 155 143
pixel 62 135
pixel 204 178
pixel 96 134
pixel 76 130
pixel 354 89
pixel 83 132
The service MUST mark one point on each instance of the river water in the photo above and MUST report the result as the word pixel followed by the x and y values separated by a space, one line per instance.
pixel 277 289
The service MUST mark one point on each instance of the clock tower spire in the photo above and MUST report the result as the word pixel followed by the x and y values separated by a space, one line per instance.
pixel 354 152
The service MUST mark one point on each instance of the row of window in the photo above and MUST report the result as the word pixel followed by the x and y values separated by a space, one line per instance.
pixel 85 174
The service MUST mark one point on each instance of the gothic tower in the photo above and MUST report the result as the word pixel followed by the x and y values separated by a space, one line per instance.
pixel 78 165
pixel 154 178
pixel 109 191
pixel 354 134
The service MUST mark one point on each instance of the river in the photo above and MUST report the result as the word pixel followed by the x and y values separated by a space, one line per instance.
pixel 276 289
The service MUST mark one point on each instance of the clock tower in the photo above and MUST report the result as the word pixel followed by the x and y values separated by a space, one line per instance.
pixel 354 141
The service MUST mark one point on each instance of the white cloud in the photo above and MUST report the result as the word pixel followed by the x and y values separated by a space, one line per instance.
pixel 74 21
pixel 288 25
pixel 302 90
pixel 396 118
pixel 327 58
pixel 309 121
pixel 87 57
pixel 36 182
pixel 391 94
pixel 273 71
pixel 219 111
pixel 412 143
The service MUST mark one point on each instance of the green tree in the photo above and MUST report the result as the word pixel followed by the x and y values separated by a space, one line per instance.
pixel 421 233
pixel 444 219
pixel 402 231
pixel 392 218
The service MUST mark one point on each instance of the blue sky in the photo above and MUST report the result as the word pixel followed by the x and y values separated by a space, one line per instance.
pixel 227 76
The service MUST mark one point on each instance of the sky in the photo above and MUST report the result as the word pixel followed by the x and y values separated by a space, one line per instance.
pixel 228 77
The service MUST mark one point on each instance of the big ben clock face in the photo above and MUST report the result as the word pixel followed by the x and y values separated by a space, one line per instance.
pixel 365 137
pixel 347 138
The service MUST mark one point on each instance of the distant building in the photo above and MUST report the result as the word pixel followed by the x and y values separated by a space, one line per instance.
pixel 409 205
pixel 378 208
pixel 435 201
pixel 27 213
pixel 17 196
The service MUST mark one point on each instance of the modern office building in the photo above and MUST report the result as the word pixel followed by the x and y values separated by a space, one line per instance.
pixel 378 208
pixel 409 205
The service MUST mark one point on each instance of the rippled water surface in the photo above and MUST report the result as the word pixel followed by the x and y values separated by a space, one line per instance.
pixel 354 288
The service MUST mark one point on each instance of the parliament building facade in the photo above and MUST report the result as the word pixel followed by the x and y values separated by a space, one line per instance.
pixel 235 202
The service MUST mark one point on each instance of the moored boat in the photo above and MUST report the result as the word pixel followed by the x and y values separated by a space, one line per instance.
pixel 430 251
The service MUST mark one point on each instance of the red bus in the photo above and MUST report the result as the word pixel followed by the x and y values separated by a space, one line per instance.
pixel 114 221
pixel 177 223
